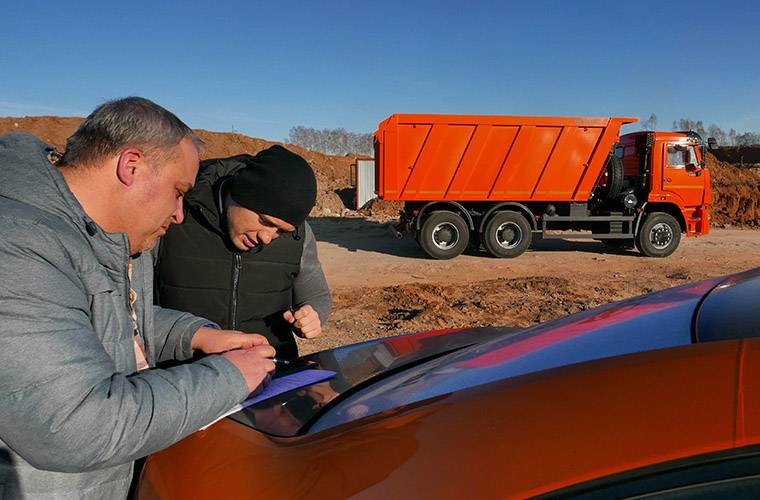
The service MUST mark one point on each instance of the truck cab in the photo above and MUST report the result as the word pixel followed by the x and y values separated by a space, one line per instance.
pixel 667 170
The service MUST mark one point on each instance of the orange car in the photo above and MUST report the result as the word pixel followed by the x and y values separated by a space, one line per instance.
pixel 658 394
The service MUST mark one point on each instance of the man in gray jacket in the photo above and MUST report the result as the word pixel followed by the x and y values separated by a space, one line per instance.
pixel 80 397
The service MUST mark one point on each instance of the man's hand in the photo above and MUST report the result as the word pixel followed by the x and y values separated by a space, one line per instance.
pixel 305 320
pixel 255 365
pixel 213 341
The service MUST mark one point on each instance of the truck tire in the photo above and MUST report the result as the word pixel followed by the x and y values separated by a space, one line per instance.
pixel 444 235
pixel 659 235
pixel 507 234
pixel 613 169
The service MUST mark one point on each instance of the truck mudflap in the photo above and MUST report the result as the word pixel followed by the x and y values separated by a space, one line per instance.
pixel 698 222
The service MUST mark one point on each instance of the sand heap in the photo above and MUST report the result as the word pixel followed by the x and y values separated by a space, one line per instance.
pixel 736 191
pixel 736 194
pixel 332 172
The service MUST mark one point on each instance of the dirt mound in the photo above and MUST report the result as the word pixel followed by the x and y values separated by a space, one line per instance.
pixel 382 209
pixel 736 194
pixel 332 172
pixel 52 129
pixel 520 302
pixel 483 303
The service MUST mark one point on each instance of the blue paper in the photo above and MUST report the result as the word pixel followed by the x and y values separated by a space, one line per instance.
pixel 278 386
pixel 287 383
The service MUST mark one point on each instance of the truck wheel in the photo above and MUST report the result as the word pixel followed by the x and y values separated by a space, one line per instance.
pixel 659 235
pixel 444 235
pixel 507 234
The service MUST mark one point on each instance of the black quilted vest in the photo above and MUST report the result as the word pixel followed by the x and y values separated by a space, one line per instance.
pixel 200 272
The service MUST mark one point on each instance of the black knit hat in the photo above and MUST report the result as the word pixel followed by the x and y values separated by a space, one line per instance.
pixel 278 183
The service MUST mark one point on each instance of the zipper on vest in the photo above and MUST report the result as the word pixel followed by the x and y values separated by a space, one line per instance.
pixel 235 284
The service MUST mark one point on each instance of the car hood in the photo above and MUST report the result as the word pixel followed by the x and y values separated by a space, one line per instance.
pixel 654 321
pixel 387 373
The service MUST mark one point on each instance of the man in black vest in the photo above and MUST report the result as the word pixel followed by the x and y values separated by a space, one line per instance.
pixel 245 257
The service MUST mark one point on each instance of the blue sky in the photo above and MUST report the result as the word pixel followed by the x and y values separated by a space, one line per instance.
pixel 263 67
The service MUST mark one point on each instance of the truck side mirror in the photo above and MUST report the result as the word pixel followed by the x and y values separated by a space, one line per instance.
pixel 712 143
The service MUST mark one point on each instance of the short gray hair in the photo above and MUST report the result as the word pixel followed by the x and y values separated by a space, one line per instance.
pixel 122 123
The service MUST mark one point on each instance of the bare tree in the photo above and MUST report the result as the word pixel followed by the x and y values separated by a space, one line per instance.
pixel 719 135
pixel 650 123
pixel 700 128
pixel 337 141
pixel 730 138
pixel 747 139
pixel 686 125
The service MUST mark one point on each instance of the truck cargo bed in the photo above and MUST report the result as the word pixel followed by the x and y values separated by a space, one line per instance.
pixel 491 158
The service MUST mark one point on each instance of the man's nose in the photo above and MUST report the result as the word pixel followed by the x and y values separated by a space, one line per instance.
pixel 179 213
pixel 267 236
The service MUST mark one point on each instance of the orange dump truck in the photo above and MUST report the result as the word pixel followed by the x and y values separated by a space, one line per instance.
pixel 497 180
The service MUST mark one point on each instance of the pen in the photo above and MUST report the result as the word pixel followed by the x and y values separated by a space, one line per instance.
pixel 281 361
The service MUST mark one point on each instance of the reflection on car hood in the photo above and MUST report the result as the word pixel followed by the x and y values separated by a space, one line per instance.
pixel 653 321
pixel 356 366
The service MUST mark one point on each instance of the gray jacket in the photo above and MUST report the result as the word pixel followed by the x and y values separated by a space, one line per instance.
pixel 74 413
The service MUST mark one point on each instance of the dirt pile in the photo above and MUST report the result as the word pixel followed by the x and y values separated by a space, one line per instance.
pixel 332 172
pixel 52 129
pixel 418 307
pixel 518 302
pixel 378 209
pixel 736 194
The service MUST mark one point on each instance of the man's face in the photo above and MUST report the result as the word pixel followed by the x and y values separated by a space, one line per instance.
pixel 248 229
pixel 157 198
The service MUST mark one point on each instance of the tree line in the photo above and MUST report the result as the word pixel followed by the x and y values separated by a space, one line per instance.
pixel 724 138
pixel 337 141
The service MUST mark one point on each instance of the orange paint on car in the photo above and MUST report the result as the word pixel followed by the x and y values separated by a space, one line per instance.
pixel 509 439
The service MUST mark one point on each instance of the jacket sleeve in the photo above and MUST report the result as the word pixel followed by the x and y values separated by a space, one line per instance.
pixel 310 286
pixel 174 332
pixel 63 405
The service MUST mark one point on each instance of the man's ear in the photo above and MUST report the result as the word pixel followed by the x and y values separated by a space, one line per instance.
pixel 127 164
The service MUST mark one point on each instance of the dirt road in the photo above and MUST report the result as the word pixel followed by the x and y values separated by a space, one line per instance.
pixel 383 286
